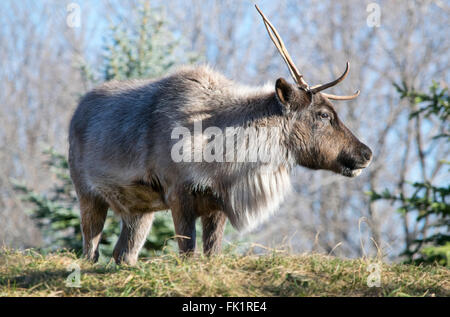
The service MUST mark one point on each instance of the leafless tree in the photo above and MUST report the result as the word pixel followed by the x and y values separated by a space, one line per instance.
pixel 40 85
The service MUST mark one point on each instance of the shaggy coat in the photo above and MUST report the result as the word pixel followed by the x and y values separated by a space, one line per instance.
pixel 121 142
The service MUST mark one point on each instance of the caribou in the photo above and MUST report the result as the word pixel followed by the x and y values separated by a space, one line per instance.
pixel 123 152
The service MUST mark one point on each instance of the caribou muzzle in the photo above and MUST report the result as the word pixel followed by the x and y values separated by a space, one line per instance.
pixel 353 162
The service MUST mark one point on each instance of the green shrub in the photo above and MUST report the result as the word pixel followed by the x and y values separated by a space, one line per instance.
pixel 427 200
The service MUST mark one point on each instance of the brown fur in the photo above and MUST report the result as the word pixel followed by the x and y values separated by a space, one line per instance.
pixel 120 155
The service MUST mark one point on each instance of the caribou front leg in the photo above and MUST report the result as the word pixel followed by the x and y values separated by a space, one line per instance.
pixel 213 228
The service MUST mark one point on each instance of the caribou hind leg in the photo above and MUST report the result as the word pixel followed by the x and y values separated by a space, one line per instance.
pixel 135 228
pixel 183 215
pixel 93 215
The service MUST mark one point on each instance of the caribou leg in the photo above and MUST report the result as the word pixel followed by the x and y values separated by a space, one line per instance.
pixel 213 228
pixel 135 228
pixel 183 214
pixel 93 216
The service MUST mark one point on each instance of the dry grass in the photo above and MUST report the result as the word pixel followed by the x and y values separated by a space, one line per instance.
pixel 29 273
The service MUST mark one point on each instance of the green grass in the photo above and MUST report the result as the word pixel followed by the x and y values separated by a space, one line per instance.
pixel 28 273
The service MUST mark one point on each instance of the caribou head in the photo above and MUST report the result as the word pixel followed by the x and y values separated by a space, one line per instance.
pixel 318 137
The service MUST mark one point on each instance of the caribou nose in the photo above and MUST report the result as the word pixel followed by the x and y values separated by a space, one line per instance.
pixel 366 152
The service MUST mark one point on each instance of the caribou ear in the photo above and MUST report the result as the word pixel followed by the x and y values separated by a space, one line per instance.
pixel 284 91
pixel 291 97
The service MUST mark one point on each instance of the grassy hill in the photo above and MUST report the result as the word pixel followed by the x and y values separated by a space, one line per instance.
pixel 28 273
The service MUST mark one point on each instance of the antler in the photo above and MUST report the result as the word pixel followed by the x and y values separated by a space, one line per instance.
pixel 336 97
pixel 296 75
pixel 321 87
pixel 317 88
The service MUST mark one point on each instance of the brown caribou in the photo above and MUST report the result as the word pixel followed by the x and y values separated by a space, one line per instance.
pixel 134 148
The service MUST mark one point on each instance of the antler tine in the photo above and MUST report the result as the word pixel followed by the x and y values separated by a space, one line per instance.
pixel 336 97
pixel 318 88
pixel 296 75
